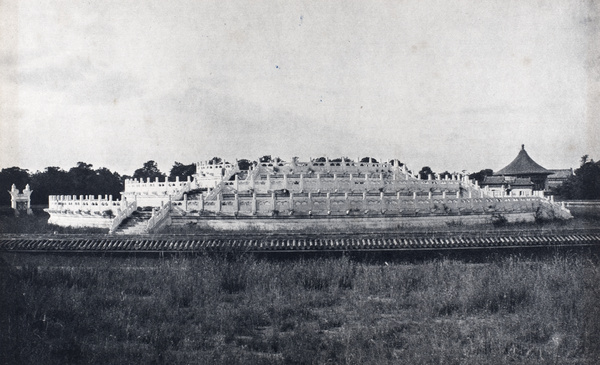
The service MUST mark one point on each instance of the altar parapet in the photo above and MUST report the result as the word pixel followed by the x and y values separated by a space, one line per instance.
pixel 84 210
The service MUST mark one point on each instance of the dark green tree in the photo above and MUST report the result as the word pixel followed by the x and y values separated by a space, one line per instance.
pixel 181 170
pixel 480 176
pixel 244 164
pixel 585 183
pixel 52 181
pixel 215 161
pixel 425 172
pixel 82 179
pixel 149 170
pixel 366 159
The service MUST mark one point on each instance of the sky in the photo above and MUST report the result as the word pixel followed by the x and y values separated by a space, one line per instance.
pixel 454 85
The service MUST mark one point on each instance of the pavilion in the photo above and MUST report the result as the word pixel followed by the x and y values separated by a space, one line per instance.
pixel 523 167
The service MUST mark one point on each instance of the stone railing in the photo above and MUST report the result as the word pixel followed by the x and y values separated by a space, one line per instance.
pixel 362 203
pixel 87 204
pixel 159 217
pixel 122 215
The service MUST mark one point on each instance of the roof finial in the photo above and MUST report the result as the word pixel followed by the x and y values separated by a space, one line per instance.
pixel 523 147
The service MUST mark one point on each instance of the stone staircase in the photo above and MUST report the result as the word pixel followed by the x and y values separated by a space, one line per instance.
pixel 134 224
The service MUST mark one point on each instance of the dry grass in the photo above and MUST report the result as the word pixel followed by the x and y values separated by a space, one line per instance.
pixel 207 310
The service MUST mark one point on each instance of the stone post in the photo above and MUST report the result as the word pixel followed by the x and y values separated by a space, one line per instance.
pixel 319 182
pixel 254 208
pixel 328 203
pixel 346 202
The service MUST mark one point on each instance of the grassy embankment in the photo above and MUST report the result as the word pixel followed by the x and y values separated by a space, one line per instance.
pixel 203 310
pixel 36 223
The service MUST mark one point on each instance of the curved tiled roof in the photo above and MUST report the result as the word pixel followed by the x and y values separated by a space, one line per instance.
pixel 523 165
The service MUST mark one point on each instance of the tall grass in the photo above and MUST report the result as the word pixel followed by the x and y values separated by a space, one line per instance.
pixel 208 310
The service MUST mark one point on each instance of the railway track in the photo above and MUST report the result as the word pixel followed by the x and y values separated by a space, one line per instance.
pixel 286 242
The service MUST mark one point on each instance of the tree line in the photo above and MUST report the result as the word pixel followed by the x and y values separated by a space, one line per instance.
pixel 81 179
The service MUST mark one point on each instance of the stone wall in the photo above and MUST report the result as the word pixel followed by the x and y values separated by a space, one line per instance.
pixel 83 211
pixel 340 224
pixel 357 204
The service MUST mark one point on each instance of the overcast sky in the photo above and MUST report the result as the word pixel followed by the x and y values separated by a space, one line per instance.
pixel 453 85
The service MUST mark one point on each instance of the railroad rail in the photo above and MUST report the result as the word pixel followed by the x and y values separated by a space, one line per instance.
pixel 273 242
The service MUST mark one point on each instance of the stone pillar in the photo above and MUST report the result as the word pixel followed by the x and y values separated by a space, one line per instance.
pixel 219 199
pixel 328 203
pixel 285 181
pixel 346 202
pixel 236 182
pixel 310 202
pixel 319 182
pixel 14 193
pixel 443 195
pixel 364 201
pixel 274 201
pixel 291 202
pixel 254 203
pixel 414 195
pixel 301 182
pixel 236 203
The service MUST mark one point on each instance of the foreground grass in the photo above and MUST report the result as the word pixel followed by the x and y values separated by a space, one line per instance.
pixel 37 223
pixel 57 310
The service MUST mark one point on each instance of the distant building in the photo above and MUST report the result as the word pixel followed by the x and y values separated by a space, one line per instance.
pixel 558 177
pixel 508 185
pixel 524 167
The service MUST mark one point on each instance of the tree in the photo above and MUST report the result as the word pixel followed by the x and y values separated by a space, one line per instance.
pixel 82 179
pixel 181 170
pixel 244 165
pixel 149 170
pixel 425 172
pixel 52 181
pixel 585 183
pixel 107 182
pixel 368 159
pixel 8 177
pixel 396 162
pixel 480 176
pixel 215 161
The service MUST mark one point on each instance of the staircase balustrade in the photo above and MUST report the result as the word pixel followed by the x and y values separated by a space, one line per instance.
pixel 158 217
pixel 122 215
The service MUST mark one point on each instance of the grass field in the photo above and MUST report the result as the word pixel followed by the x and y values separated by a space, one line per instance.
pixel 209 310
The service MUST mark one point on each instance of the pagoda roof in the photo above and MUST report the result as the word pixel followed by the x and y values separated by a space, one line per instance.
pixel 523 165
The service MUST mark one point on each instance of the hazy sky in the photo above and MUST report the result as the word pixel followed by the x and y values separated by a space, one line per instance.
pixel 450 84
